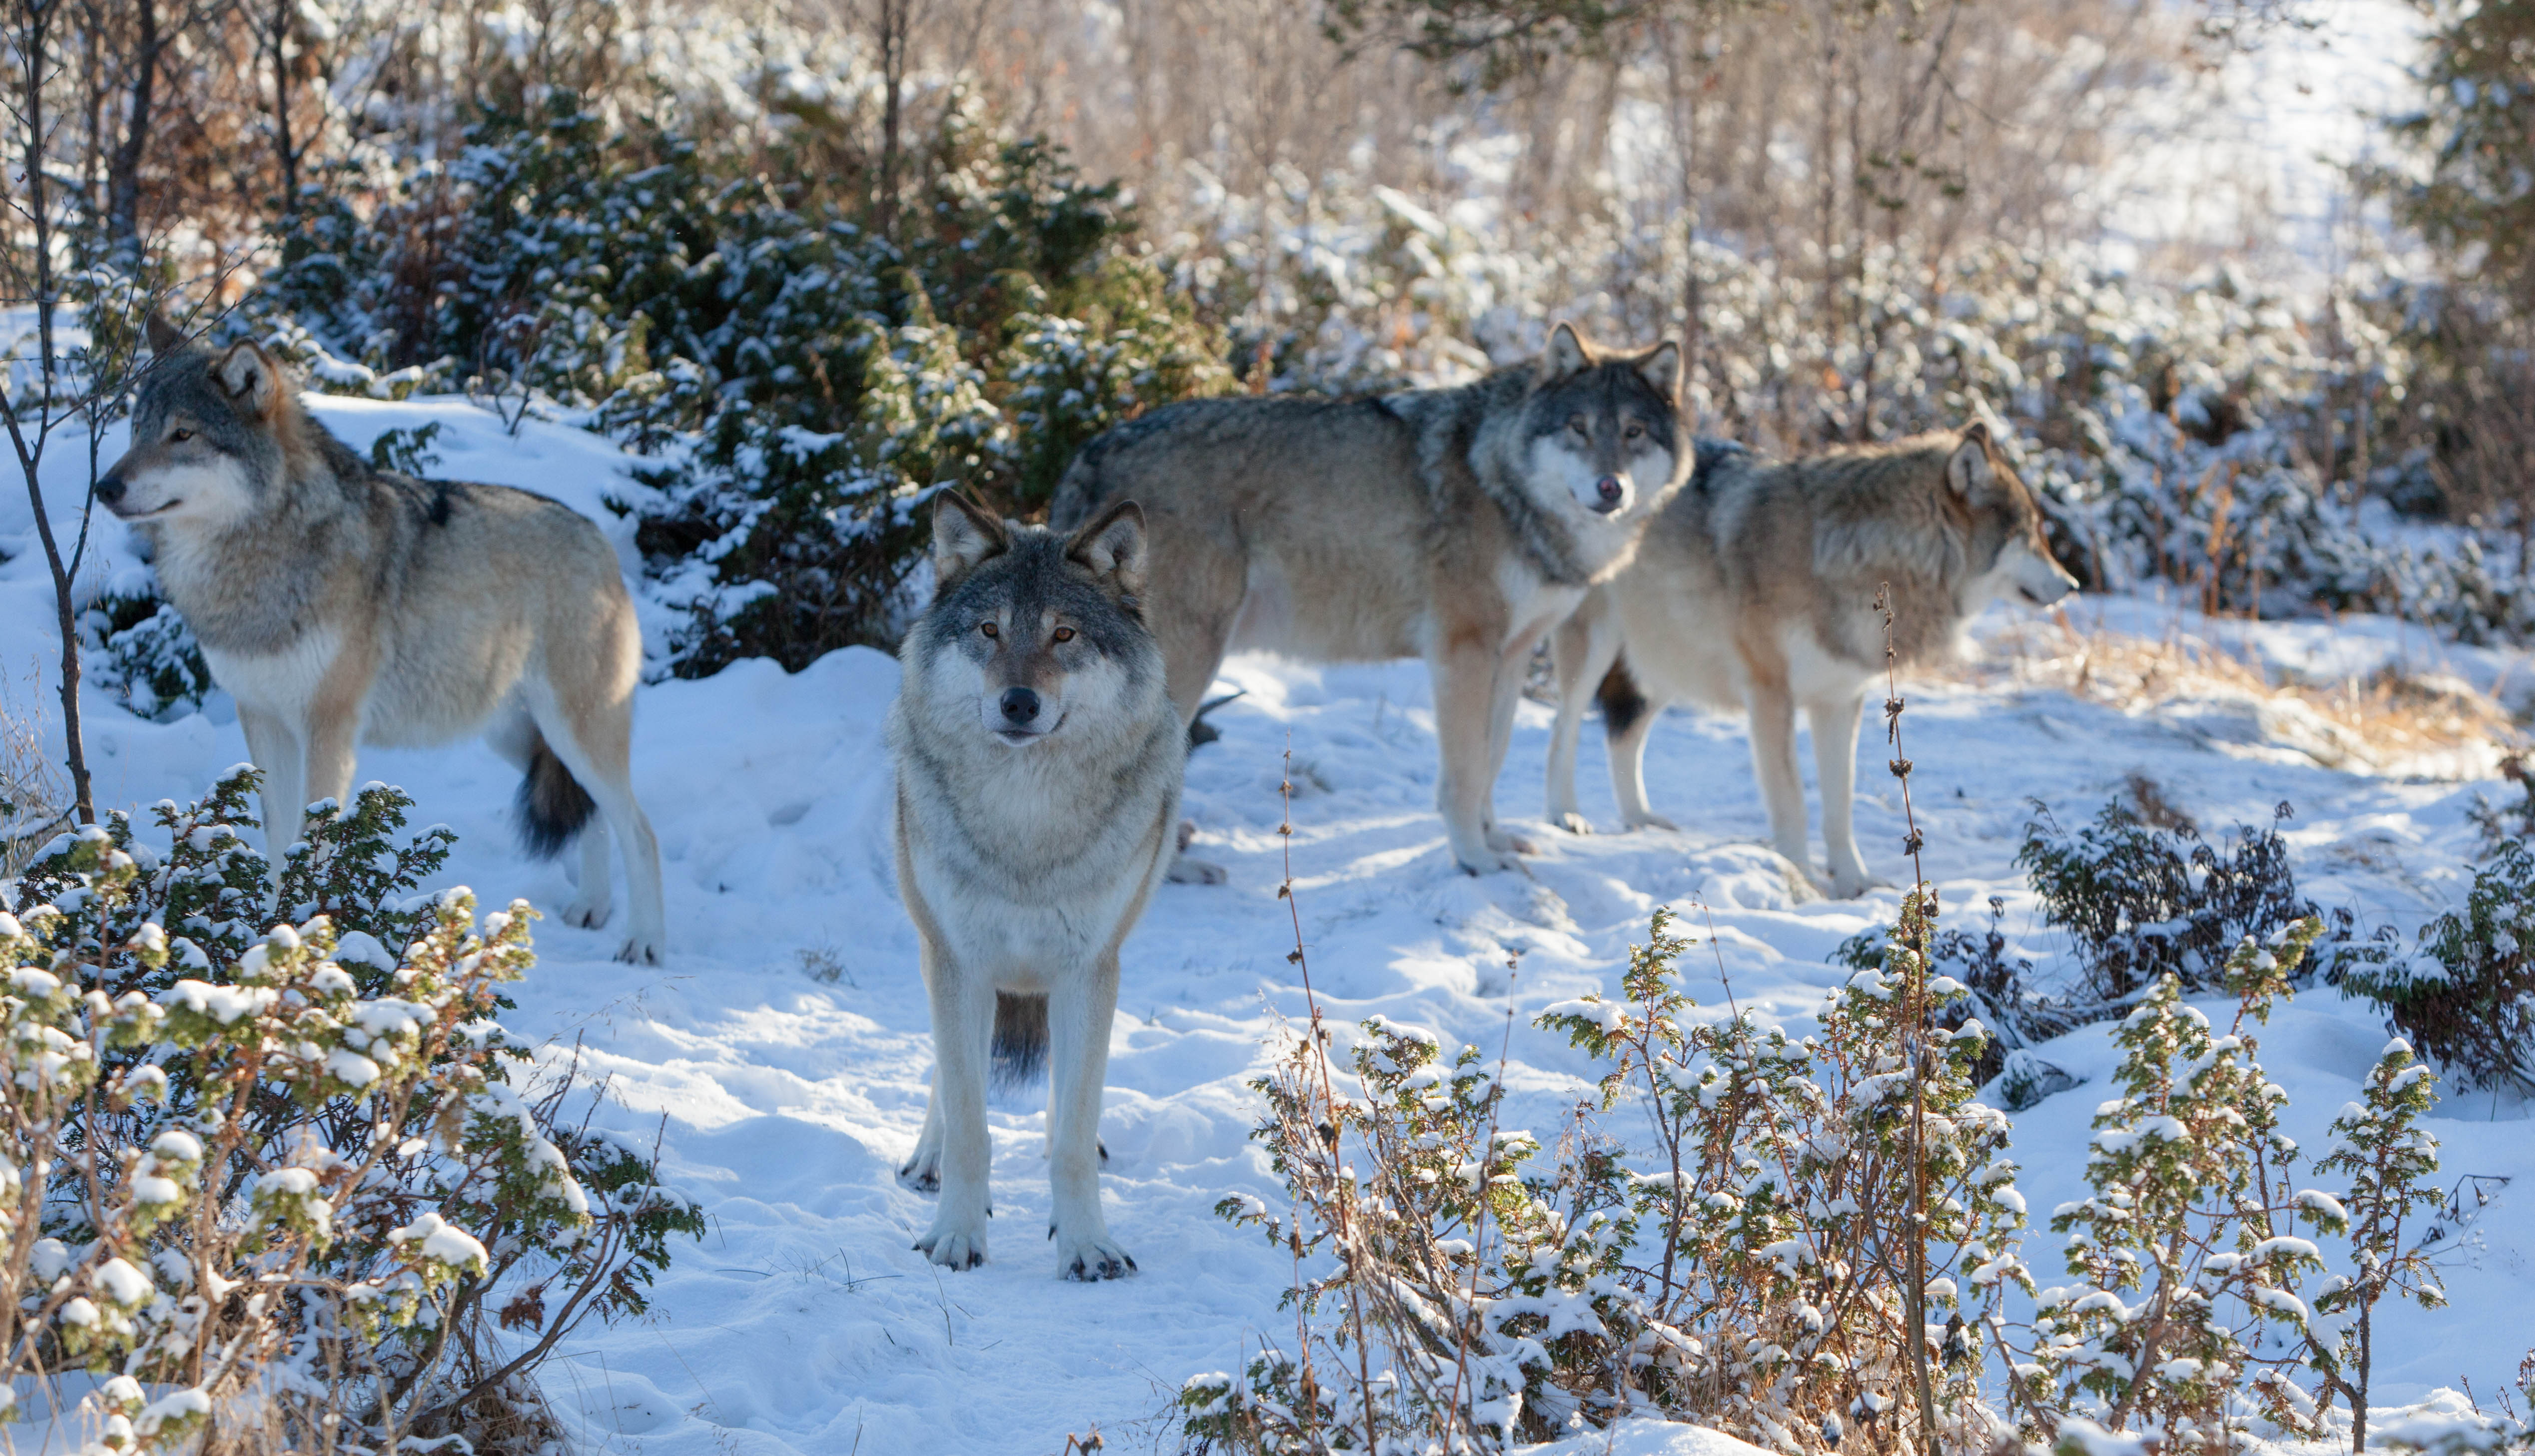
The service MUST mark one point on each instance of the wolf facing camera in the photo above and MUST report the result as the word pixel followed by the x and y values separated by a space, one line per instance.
pixel 1756 590
pixel 342 604
pixel 1038 763
pixel 1456 524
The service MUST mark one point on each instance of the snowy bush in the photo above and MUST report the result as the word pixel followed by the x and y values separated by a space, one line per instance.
pixel 800 376
pixel 2465 997
pixel 141 652
pixel 2143 902
pixel 290 1178
pixel 1742 1271
pixel 2184 1319
pixel 2392 1161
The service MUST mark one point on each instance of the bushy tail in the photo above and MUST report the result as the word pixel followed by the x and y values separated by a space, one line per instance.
pixel 1021 1038
pixel 1621 702
pixel 553 806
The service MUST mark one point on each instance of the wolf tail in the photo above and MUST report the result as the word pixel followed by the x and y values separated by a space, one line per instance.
pixel 1021 1038
pixel 1622 703
pixel 553 806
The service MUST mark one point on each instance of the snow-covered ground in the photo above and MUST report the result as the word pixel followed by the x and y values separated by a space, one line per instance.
pixel 782 1056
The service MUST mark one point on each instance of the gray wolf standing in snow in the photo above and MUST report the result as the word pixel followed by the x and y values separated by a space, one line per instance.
pixel 1456 524
pixel 1038 785
pixel 1757 588
pixel 343 604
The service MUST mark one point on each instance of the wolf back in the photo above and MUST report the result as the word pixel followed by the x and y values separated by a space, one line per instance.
pixel 1455 524
pixel 341 604
pixel 1757 589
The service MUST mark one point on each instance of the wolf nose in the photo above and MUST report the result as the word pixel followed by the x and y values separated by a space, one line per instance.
pixel 1021 706
pixel 1610 490
pixel 109 491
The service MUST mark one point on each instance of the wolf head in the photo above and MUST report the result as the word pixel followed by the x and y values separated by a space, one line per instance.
pixel 1603 432
pixel 2008 547
pixel 1035 636
pixel 210 435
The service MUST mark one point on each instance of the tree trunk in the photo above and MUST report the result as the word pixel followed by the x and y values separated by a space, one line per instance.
pixel 893 65
pixel 123 165
pixel 34 47
pixel 285 149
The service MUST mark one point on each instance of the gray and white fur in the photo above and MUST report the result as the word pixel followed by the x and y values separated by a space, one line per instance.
pixel 1456 525
pixel 1038 763
pixel 1757 589
pixel 342 604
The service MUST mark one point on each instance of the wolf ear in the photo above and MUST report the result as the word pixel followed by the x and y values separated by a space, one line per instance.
pixel 252 379
pixel 1566 353
pixel 963 536
pixel 164 335
pixel 1660 367
pixel 1968 468
pixel 1113 547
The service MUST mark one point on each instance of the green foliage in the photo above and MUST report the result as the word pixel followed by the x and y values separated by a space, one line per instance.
pixel 2142 903
pixel 2466 997
pixel 2184 1250
pixel 2390 1160
pixel 327 1105
pixel 141 652
pixel 801 380
pixel 1742 1269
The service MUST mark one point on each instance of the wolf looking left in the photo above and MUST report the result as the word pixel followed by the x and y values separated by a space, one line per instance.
pixel 341 604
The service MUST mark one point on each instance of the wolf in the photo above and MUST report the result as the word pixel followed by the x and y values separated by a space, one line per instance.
pixel 342 604
pixel 1757 588
pixel 1456 524
pixel 1038 763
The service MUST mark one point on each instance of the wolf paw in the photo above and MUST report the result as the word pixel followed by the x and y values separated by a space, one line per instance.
pixel 640 950
pixel 1848 886
pixel 922 1173
pixel 1185 871
pixel 954 1248
pixel 1091 1259
pixel 1572 823
pixel 1653 821
pixel 1488 862
pixel 588 915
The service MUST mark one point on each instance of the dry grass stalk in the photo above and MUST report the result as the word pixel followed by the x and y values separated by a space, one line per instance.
pixel 2392 720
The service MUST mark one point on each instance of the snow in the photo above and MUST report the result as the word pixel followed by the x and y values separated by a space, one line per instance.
pixel 784 1100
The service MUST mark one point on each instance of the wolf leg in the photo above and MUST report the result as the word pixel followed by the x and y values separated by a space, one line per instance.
pixel 1502 701
pixel 1580 651
pixel 1464 674
pixel 1078 1028
pixel 274 747
pixel 597 747
pixel 514 734
pixel 1625 727
pixel 1774 761
pixel 1193 642
pixel 963 1023
pixel 1834 722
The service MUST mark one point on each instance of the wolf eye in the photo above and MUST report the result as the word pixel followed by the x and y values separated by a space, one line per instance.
pixel 1634 430
pixel 180 436
pixel 1063 634
pixel 988 629
pixel 1577 424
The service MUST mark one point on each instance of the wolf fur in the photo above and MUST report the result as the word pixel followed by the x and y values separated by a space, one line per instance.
pixel 1456 524
pixel 342 604
pixel 1038 761
pixel 1757 588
